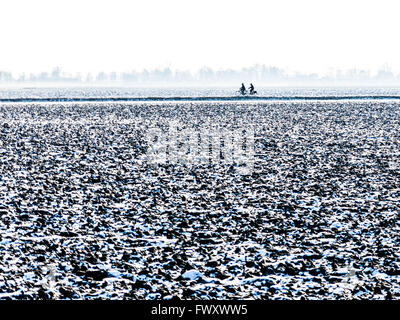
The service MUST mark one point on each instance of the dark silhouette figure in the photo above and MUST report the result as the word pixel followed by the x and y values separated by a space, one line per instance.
pixel 251 89
pixel 242 89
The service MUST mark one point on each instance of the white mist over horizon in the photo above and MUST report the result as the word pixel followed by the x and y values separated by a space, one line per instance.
pixel 89 37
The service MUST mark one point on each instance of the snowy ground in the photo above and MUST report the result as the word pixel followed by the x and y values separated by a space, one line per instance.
pixel 83 216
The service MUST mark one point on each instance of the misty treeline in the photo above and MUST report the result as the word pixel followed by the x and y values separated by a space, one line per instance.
pixel 259 74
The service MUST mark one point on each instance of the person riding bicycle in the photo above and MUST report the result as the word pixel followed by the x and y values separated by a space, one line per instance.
pixel 242 89
pixel 251 89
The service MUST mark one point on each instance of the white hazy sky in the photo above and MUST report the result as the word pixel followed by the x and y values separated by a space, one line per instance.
pixel 117 35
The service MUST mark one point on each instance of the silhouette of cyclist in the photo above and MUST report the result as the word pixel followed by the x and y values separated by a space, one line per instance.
pixel 242 89
pixel 251 89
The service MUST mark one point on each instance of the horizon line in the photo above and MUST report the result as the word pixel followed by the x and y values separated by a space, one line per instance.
pixel 199 98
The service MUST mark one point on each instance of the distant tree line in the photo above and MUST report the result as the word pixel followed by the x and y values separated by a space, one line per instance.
pixel 259 74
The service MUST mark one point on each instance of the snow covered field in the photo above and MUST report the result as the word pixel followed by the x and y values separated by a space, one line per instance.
pixel 83 215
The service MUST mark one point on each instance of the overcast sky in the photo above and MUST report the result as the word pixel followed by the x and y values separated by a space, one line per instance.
pixel 117 35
